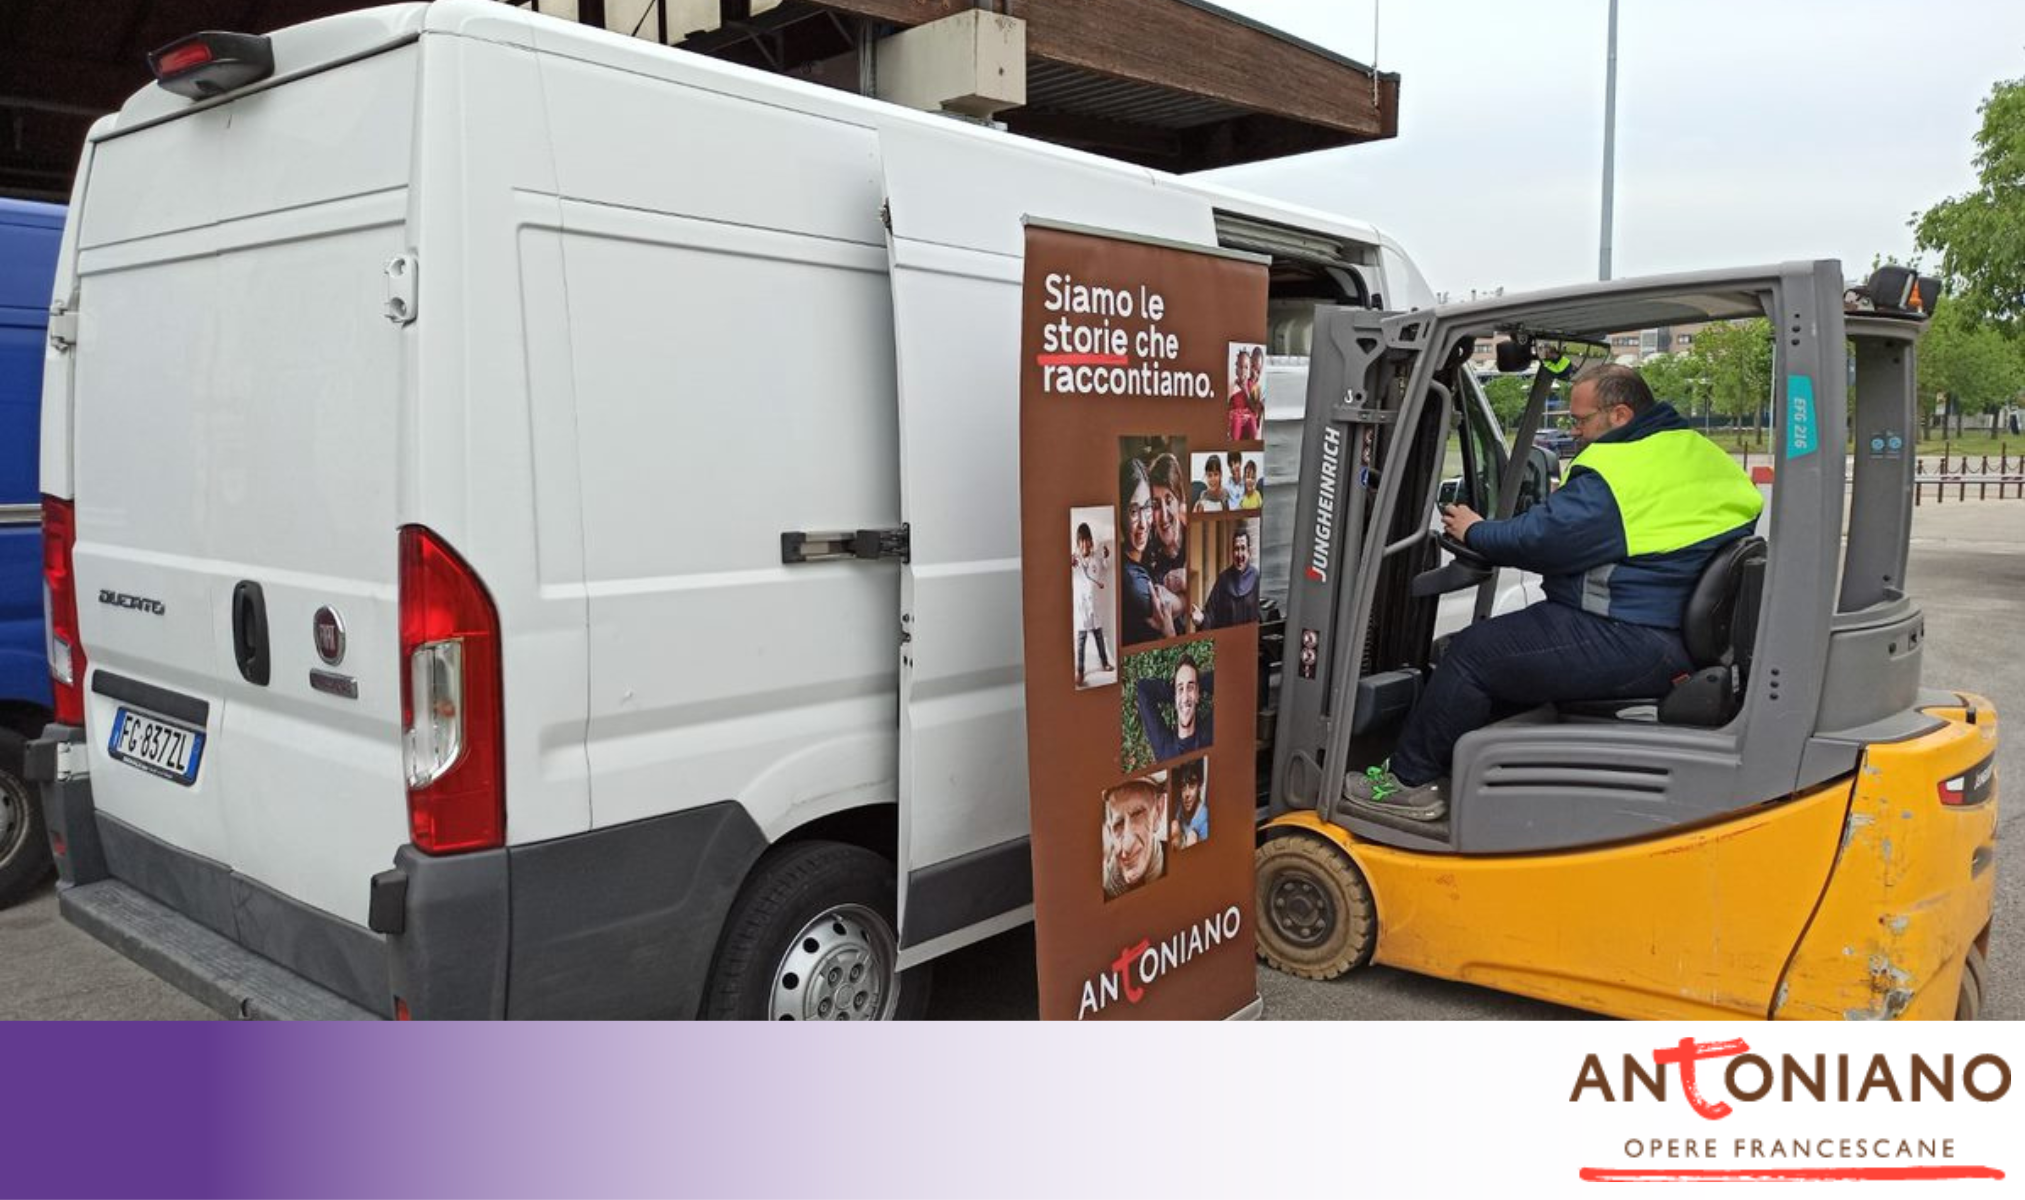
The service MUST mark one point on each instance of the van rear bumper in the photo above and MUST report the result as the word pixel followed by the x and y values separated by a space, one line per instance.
pixel 615 923
pixel 217 971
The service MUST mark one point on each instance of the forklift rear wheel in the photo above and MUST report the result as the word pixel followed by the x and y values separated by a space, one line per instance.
pixel 1317 920
pixel 1969 1003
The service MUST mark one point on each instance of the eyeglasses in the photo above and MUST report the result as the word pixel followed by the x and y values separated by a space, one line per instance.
pixel 1578 420
pixel 1134 513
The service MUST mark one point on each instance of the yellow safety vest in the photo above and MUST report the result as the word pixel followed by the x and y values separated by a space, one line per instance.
pixel 1673 489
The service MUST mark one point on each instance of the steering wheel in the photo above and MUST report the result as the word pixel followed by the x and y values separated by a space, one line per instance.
pixel 1461 551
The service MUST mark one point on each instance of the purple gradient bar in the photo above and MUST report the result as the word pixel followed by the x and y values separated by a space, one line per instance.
pixel 531 1110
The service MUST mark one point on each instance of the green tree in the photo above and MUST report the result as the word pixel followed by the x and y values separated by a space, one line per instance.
pixel 1976 367
pixel 1507 394
pixel 1678 380
pixel 1981 235
pixel 1734 361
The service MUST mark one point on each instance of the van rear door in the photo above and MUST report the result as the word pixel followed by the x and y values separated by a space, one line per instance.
pixel 956 202
pixel 237 420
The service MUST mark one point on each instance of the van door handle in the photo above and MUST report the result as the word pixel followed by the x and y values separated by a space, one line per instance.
pixel 249 632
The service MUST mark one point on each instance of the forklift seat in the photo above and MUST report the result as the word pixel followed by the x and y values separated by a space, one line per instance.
pixel 1719 626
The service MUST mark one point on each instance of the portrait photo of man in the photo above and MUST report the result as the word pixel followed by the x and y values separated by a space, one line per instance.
pixel 1168 703
pixel 1135 834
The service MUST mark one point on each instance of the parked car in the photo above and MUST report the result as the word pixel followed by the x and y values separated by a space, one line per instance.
pixel 1560 441
pixel 29 233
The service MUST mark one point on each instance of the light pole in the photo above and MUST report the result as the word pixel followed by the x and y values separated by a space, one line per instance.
pixel 1609 147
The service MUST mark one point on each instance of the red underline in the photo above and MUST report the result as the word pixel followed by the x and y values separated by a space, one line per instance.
pixel 1081 360
pixel 1789 1175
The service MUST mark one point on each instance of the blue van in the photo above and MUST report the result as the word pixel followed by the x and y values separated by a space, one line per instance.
pixel 29 233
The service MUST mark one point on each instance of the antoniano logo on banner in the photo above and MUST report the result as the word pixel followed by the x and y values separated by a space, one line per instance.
pixel 1142 512
pixel 1711 1079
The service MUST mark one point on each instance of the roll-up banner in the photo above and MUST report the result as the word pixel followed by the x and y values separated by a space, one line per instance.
pixel 1142 460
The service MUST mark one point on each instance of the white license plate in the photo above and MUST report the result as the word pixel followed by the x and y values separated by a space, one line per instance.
pixel 156 746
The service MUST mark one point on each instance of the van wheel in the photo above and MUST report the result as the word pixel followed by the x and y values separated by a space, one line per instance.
pixel 1316 918
pixel 811 938
pixel 24 846
pixel 1975 972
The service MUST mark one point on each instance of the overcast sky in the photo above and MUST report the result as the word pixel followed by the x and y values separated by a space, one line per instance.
pixel 1747 130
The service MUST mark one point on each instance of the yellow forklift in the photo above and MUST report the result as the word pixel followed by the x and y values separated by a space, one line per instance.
pixel 1799 829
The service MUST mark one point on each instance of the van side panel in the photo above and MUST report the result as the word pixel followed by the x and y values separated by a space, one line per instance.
pixel 491 455
pixel 733 368
pixel 958 206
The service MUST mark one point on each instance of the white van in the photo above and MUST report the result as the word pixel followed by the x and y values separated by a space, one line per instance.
pixel 440 433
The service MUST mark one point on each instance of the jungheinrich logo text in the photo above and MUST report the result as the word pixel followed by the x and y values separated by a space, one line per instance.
pixel 1325 505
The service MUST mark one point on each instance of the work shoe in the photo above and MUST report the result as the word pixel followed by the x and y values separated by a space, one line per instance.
pixel 1379 789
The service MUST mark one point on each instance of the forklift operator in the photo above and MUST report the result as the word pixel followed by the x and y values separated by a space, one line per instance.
pixel 1619 547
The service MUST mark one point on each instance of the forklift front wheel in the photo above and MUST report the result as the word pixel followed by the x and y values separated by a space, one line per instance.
pixel 1316 918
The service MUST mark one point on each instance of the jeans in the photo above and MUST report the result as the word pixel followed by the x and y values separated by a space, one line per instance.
pixel 1535 656
pixel 1083 637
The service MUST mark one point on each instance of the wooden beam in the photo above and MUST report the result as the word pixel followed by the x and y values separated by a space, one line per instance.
pixel 1183 49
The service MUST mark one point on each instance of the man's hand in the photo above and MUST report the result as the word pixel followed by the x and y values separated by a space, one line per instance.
pixel 1456 519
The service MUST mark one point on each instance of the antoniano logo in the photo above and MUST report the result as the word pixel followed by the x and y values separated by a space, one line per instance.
pixel 1747 1078
pixel 1143 964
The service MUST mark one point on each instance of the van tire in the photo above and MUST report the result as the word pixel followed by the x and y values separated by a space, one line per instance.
pixel 1316 916
pixel 777 962
pixel 24 842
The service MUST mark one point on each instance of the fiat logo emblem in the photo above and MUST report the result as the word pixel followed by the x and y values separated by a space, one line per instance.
pixel 330 636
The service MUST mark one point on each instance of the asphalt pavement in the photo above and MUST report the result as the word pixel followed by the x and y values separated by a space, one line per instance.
pixel 1967 570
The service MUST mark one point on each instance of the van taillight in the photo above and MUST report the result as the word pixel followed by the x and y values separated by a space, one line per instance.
pixel 452 701
pixel 59 607
pixel 212 63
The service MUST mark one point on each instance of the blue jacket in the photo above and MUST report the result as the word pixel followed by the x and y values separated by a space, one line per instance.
pixel 1576 540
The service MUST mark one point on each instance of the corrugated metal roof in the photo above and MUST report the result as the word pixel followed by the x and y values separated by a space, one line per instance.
pixel 1053 87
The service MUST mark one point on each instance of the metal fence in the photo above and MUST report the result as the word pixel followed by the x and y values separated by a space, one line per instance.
pixel 1967 474
pixel 1956 477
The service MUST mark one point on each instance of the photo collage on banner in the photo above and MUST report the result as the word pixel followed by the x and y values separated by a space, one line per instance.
pixel 1142 417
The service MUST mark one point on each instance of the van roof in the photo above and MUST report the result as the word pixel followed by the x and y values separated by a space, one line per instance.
pixel 319 44
pixel 32 213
